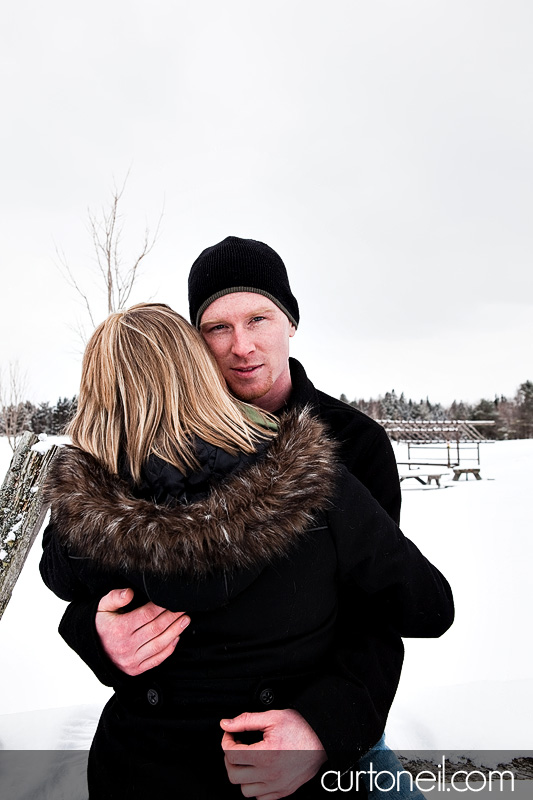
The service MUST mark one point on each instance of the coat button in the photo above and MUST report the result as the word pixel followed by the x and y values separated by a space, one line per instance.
pixel 152 697
pixel 267 697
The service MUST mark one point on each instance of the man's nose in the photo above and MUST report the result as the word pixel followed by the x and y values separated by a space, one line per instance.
pixel 242 344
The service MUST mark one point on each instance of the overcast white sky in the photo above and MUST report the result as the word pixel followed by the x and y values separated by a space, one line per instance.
pixel 383 147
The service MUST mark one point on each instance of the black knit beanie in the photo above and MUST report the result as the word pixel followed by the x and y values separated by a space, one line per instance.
pixel 239 265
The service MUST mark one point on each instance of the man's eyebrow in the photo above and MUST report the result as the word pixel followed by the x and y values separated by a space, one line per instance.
pixel 221 320
pixel 207 322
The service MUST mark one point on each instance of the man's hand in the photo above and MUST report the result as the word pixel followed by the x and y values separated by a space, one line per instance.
pixel 137 640
pixel 289 755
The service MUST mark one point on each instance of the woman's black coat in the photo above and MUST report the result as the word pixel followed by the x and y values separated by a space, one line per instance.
pixel 258 551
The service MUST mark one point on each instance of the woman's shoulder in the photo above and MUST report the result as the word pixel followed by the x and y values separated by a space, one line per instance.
pixel 164 483
pixel 275 498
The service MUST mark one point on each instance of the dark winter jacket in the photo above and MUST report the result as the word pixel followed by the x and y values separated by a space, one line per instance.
pixel 355 696
pixel 260 562
pixel 365 448
pixel 354 700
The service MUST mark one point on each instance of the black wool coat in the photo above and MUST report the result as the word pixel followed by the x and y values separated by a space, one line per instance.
pixel 260 556
pixel 347 708
pixel 353 701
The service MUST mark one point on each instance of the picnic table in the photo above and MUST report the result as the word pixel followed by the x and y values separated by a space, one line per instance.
pixel 430 475
pixel 458 471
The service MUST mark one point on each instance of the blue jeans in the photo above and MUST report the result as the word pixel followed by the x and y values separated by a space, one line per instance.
pixel 390 786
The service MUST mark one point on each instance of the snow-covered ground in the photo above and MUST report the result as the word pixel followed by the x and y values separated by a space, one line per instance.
pixel 471 690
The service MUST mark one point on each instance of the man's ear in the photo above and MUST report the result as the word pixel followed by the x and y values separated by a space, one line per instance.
pixel 292 329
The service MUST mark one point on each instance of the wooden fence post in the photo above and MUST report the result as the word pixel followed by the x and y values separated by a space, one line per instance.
pixel 22 511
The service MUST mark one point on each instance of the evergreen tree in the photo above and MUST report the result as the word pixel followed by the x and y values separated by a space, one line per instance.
pixel 524 401
pixel 391 406
pixel 62 413
pixel 486 409
pixel 460 410
pixel 41 421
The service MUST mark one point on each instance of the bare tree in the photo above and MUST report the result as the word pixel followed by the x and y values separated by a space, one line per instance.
pixel 116 277
pixel 13 390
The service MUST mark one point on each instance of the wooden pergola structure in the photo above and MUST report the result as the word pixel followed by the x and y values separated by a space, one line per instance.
pixel 452 440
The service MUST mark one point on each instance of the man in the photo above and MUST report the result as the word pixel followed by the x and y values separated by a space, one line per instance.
pixel 241 301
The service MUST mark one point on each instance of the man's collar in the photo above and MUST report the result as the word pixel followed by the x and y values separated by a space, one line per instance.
pixel 302 392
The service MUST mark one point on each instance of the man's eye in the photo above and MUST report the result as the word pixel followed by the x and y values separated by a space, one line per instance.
pixel 220 327
pixel 257 319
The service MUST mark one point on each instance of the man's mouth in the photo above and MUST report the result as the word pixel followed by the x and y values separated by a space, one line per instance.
pixel 245 371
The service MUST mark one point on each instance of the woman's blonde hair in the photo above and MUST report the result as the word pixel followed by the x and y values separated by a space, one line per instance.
pixel 150 384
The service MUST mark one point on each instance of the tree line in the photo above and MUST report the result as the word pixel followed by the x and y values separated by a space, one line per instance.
pixel 512 417
pixel 16 418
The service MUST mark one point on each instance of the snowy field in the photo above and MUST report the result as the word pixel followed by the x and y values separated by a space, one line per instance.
pixel 473 688
pixel 470 691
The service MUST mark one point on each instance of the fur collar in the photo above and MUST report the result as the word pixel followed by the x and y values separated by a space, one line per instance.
pixel 247 520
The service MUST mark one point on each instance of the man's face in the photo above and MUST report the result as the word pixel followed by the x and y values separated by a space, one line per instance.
pixel 249 337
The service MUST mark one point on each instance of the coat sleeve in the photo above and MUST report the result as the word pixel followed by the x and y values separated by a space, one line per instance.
pixel 77 581
pixel 78 624
pixel 74 578
pixel 57 569
pixel 383 574
pixel 373 462
pixel 383 565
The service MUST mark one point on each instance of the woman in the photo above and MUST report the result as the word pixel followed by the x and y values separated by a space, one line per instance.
pixel 202 503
